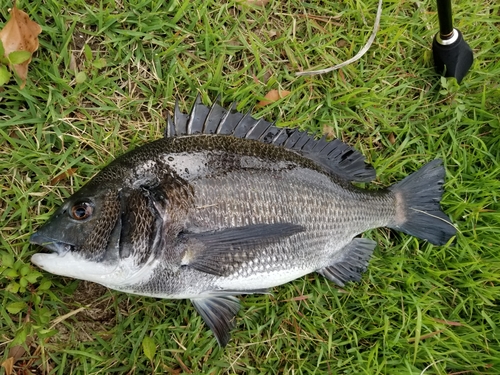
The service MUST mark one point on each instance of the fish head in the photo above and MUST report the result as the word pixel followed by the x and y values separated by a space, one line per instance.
pixel 114 228
pixel 106 232
pixel 82 235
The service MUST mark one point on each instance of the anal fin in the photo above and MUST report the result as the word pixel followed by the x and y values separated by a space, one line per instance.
pixel 351 263
pixel 219 314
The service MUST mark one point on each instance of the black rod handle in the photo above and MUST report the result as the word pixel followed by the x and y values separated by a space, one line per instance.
pixel 445 19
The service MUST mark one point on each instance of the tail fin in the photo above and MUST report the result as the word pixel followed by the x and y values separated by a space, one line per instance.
pixel 418 210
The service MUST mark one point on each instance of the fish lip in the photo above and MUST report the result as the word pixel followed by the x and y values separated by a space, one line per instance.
pixel 59 247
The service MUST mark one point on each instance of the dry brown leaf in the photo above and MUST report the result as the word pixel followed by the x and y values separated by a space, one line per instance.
pixel 8 365
pixel 62 176
pixel 20 34
pixel 328 132
pixel 449 322
pixel 72 63
pixel 342 77
pixel 428 335
pixel 259 3
pixel 16 352
pixel 298 298
pixel 341 43
pixel 182 364
pixel 273 96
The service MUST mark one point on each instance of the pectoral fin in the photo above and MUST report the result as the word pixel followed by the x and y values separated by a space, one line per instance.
pixel 219 314
pixel 222 252
pixel 351 263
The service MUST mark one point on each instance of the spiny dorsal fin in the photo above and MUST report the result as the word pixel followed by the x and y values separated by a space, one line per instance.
pixel 334 156
pixel 197 117
pixel 180 120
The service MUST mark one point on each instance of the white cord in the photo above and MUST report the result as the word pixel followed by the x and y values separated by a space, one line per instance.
pixel 361 52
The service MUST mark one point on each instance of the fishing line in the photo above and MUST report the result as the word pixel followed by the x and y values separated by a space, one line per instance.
pixel 361 52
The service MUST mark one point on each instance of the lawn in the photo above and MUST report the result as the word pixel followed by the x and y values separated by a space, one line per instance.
pixel 103 80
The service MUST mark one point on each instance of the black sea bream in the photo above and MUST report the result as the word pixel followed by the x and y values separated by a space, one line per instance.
pixel 225 205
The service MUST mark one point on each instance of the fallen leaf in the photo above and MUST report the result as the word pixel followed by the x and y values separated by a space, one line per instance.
pixel 149 347
pixel 8 365
pixel 20 34
pixel 184 367
pixel 16 352
pixel 79 115
pixel 273 96
pixel 328 132
pixel 392 138
pixel 449 322
pixel 423 337
pixel 299 298
pixel 342 77
pixel 259 3
pixel 62 176
pixel 341 43
pixel 72 63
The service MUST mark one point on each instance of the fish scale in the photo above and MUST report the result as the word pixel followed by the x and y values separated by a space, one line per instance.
pixel 227 204
pixel 334 221
pixel 231 190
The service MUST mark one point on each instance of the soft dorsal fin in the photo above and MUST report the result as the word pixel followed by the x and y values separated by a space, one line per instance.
pixel 334 156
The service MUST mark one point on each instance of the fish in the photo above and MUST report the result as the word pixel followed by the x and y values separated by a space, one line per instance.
pixel 225 205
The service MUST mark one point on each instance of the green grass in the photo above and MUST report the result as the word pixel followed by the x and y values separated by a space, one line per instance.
pixel 420 309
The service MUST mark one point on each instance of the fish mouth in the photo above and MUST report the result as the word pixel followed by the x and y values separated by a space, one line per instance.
pixel 61 248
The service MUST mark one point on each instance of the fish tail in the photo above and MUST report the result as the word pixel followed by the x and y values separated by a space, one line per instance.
pixel 418 210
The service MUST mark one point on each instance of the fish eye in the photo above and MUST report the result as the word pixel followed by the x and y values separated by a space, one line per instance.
pixel 81 211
